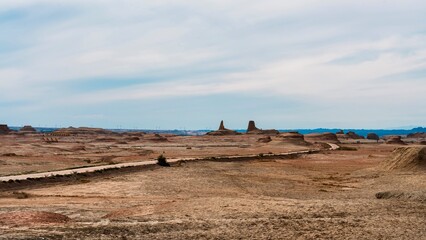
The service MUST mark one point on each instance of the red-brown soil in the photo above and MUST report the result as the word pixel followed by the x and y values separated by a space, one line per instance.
pixel 342 194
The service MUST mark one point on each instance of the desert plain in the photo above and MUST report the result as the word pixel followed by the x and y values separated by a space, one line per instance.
pixel 240 186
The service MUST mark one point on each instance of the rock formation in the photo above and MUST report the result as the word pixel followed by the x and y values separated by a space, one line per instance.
pixel 252 129
pixel 28 128
pixel 222 131
pixel 156 138
pixel 4 129
pixel 222 126
pixel 394 140
pixel 406 158
pixel 264 139
pixel 417 135
pixel 292 138
pixel 251 126
pixel 373 136
pixel 81 130
pixel 353 135
pixel 322 137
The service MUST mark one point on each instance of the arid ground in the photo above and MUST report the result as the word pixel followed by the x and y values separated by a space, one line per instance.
pixel 340 194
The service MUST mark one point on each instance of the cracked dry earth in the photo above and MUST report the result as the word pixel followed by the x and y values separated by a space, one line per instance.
pixel 330 195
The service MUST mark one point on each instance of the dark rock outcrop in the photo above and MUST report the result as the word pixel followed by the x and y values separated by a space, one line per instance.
pixel 222 131
pixel 292 138
pixel 265 139
pixel 322 137
pixel 4 129
pixel 252 129
pixel 394 140
pixel 353 135
pixel 28 129
pixel 252 126
pixel 373 136
pixel 156 138
pixel 222 126
pixel 81 130
pixel 417 135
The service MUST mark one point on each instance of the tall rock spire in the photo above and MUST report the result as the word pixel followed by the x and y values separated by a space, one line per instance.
pixel 222 126
pixel 251 126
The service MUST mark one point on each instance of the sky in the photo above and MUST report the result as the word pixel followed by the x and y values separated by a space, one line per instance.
pixel 170 64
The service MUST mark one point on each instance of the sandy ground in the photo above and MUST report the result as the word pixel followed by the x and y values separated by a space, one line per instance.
pixel 30 154
pixel 330 195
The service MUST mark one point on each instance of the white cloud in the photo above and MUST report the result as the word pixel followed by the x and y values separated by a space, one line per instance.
pixel 201 48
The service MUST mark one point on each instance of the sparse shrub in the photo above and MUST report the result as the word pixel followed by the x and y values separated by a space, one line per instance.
pixel 261 154
pixel 162 161
pixel 107 159
pixel 21 195
pixel 346 148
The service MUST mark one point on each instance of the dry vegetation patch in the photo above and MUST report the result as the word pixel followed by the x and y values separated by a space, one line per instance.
pixel 25 218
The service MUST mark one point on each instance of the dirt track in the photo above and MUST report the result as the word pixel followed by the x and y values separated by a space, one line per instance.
pixel 83 170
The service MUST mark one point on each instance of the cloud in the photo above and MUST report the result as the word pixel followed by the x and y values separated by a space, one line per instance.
pixel 319 52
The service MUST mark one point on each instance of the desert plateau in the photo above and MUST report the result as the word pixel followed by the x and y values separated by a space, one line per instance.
pixel 224 185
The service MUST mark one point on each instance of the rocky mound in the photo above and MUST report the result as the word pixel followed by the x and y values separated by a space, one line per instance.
pixel 373 136
pixel 413 196
pixel 395 140
pixel 31 217
pixel 322 137
pixel 353 135
pixel 292 138
pixel 156 138
pixel 4 129
pixel 252 129
pixel 406 158
pixel 417 135
pixel 264 139
pixel 81 130
pixel 222 131
pixel 27 128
